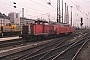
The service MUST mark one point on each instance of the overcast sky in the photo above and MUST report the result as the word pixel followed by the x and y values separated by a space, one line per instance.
pixel 39 8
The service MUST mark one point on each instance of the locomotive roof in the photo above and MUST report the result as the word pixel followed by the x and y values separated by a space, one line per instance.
pixel 63 24
pixel 41 21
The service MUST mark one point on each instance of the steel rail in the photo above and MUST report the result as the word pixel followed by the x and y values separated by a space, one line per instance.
pixel 61 53
pixel 80 49
pixel 51 45
pixel 40 50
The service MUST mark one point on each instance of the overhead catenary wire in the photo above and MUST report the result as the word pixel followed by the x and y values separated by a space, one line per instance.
pixel 41 12
pixel 50 3
pixel 42 17
pixel 18 7
pixel 78 8
pixel 34 11
pixel 38 10
pixel 27 7
pixel 44 14
pixel 88 3
pixel 42 5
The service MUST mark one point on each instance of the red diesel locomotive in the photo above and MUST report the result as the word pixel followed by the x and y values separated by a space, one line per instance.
pixel 43 29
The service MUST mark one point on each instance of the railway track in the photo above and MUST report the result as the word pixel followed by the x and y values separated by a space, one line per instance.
pixel 12 43
pixel 70 52
pixel 35 49
pixel 39 51
pixel 43 49
pixel 66 52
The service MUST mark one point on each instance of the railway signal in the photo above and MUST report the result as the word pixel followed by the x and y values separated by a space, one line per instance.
pixel 81 21
pixel 14 4
pixel 81 24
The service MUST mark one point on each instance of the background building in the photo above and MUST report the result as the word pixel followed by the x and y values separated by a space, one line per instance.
pixel 14 18
pixel 25 21
pixel 4 19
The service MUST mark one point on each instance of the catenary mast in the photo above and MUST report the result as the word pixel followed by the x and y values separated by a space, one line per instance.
pixel 58 11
